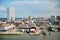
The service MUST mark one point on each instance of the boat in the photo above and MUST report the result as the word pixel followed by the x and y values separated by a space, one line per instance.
pixel 36 33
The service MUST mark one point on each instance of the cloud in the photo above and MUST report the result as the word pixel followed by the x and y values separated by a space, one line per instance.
pixel 3 11
pixel 24 2
pixel 36 8
pixel 36 2
pixel 49 3
pixel 2 8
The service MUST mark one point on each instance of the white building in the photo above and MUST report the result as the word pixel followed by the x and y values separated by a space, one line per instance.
pixel 10 14
pixel 7 27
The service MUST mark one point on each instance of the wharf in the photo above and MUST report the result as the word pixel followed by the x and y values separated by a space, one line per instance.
pixel 11 33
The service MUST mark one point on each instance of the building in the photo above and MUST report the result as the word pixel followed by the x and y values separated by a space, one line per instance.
pixel 58 18
pixel 41 21
pixel 52 19
pixel 30 19
pixel 55 21
pixel 10 14
pixel 6 27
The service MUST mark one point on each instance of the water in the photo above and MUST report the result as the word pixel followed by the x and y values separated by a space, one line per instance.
pixel 53 36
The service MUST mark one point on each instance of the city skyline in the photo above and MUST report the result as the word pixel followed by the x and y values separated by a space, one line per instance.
pixel 34 8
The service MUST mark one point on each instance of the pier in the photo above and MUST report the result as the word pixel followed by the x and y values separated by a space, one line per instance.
pixel 11 33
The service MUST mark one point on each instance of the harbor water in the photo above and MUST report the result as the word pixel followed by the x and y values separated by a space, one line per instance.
pixel 25 36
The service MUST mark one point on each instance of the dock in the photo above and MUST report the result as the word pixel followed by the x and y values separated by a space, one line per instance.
pixel 11 33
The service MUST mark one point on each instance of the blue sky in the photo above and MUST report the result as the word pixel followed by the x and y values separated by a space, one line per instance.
pixel 34 8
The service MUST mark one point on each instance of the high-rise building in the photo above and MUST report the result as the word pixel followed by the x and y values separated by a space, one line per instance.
pixel 52 19
pixel 30 19
pixel 10 14
pixel 58 18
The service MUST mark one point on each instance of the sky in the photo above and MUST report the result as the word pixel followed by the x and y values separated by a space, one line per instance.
pixel 34 8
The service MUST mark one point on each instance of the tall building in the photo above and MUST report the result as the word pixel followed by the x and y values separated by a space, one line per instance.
pixel 52 19
pixel 58 18
pixel 10 14
pixel 30 19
